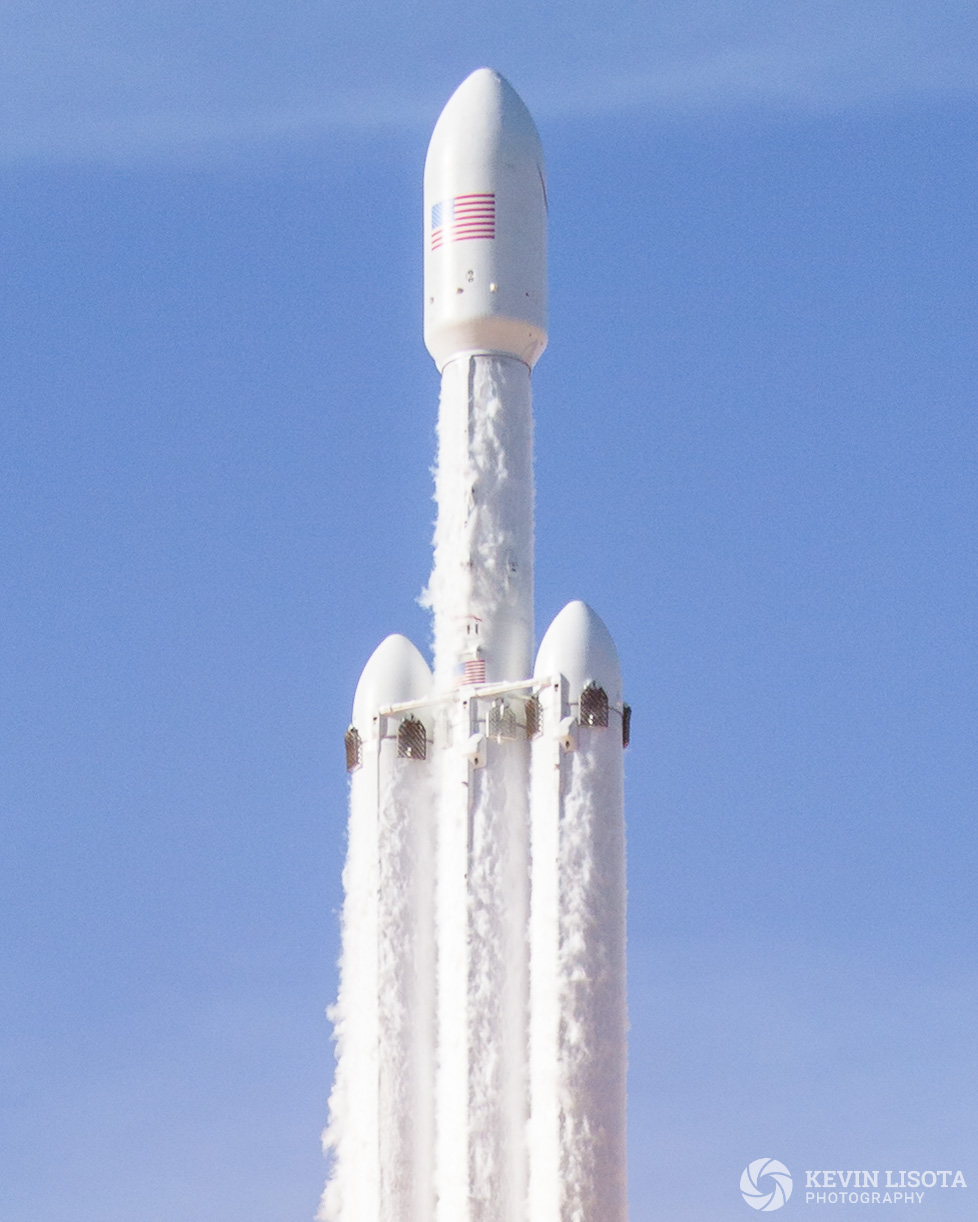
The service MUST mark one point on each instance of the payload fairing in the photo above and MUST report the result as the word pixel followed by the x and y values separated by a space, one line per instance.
pixel 481 1021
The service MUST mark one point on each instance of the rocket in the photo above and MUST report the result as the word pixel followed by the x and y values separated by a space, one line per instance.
pixel 480 1024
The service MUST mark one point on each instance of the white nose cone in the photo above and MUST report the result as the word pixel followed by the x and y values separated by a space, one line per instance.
pixel 396 672
pixel 578 646
pixel 485 217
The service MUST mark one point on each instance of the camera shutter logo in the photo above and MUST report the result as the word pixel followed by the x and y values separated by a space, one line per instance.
pixel 766 1184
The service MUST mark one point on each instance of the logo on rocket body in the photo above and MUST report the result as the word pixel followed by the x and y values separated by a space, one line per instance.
pixel 485 216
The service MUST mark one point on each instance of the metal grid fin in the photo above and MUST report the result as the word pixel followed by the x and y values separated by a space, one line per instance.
pixel 594 706
pixel 502 722
pixel 354 749
pixel 412 739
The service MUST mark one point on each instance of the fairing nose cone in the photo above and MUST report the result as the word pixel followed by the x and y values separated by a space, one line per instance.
pixel 485 204
pixel 396 672
pixel 483 121
pixel 578 646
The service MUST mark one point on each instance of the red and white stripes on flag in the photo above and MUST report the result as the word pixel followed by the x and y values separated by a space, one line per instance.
pixel 474 671
pixel 463 218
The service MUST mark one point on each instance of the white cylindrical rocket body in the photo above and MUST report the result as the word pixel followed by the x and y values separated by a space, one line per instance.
pixel 381 1127
pixel 578 1013
pixel 485 216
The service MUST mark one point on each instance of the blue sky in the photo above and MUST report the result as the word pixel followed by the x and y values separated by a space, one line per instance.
pixel 755 458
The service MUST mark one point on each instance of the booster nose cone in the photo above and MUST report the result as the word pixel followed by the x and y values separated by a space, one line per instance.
pixel 485 217
pixel 578 646
pixel 396 672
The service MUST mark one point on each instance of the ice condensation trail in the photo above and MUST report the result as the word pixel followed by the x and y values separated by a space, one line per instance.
pixel 350 1139
pixel 481 597
pixel 481 587
pixel 406 962
pixel 591 985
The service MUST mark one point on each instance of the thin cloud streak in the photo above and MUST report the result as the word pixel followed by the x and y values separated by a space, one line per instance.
pixel 96 86
pixel 174 135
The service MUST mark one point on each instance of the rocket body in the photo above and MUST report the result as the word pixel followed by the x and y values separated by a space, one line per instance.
pixel 480 1025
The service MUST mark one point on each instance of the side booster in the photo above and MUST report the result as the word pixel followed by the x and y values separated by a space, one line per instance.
pixel 485 216
pixel 384 1012
pixel 578 1011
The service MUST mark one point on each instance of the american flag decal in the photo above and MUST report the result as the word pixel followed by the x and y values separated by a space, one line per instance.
pixel 463 218
pixel 473 671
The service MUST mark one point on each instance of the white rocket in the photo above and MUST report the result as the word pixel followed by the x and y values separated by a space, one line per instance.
pixel 480 1024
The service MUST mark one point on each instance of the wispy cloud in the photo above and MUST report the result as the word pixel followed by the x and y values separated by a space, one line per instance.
pixel 110 80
